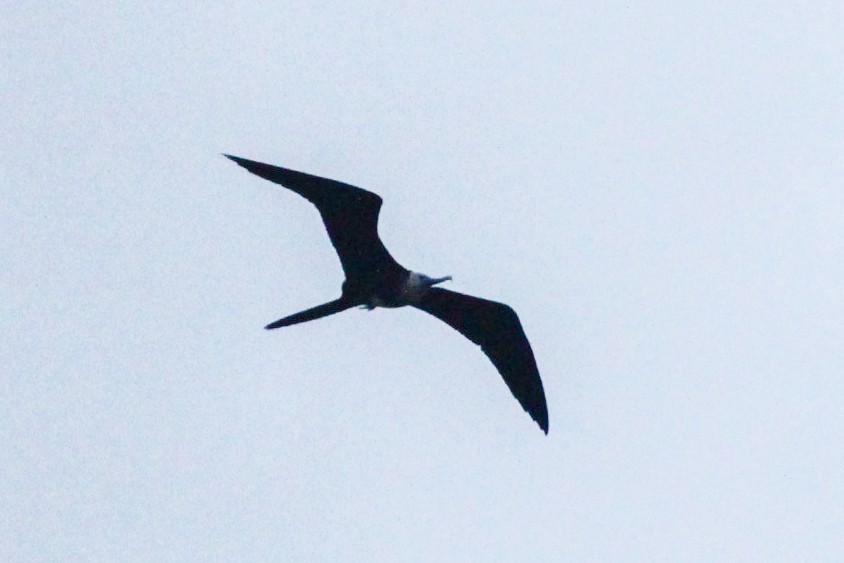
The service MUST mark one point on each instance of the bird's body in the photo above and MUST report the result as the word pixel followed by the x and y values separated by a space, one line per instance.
pixel 375 279
pixel 403 290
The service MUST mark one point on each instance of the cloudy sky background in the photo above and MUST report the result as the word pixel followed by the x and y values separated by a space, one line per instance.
pixel 656 189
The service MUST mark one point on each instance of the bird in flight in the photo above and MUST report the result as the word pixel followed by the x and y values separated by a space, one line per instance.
pixel 375 279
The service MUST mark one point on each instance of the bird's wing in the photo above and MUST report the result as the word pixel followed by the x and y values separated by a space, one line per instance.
pixel 495 327
pixel 350 214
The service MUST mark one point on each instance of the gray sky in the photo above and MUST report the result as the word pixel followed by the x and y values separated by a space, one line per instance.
pixel 655 189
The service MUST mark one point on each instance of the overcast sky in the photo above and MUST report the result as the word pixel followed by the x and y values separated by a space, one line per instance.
pixel 656 189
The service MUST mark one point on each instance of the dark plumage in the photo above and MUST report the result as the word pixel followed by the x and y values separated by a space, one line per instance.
pixel 375 279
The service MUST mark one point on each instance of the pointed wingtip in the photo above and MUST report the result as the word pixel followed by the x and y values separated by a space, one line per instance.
pixel 541 419
pixel 543 425
pixel 242 162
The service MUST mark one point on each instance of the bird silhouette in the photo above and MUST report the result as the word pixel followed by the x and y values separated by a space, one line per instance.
pixel 375 279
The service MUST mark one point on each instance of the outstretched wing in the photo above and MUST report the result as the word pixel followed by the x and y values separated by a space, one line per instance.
pixel 350 214
pixel 495 327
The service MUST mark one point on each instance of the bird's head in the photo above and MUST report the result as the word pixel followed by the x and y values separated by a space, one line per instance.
pixel 418 284
pixel 430 282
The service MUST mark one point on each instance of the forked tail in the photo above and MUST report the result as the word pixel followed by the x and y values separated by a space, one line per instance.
pixel 313 313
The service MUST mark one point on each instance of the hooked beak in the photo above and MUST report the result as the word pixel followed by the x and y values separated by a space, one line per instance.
pixel 435 281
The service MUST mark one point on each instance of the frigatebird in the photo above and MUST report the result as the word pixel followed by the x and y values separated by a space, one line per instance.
pixel 375 279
